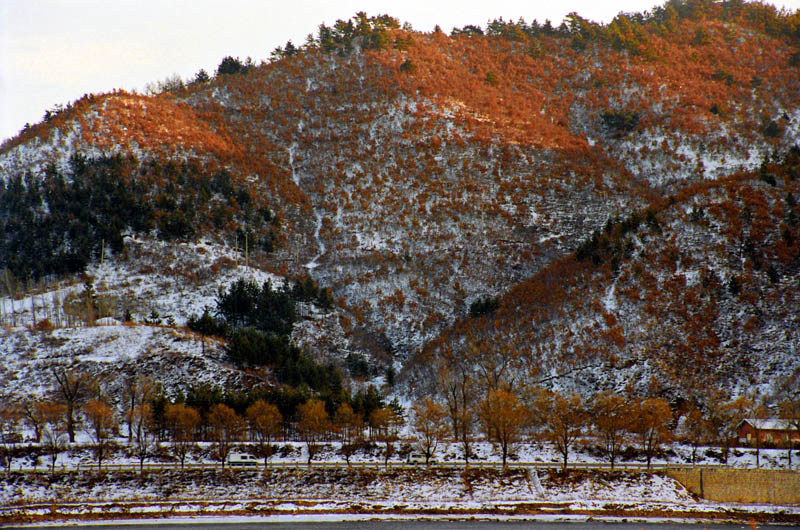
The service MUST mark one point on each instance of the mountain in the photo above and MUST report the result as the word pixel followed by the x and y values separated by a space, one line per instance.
pixel 625 193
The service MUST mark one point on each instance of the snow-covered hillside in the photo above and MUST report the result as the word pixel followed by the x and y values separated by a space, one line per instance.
pixel 414 174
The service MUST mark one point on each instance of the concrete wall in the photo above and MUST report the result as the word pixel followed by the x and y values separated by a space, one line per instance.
pixel 741 485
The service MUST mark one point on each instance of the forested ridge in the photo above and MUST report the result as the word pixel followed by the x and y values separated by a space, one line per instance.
pixel 58 224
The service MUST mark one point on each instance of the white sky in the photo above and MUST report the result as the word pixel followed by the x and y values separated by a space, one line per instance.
pixel 54 51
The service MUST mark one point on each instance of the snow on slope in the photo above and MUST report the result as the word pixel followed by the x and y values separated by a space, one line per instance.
pixel 399 487
pixel 174 280
pixel 173 358
pixel 399 206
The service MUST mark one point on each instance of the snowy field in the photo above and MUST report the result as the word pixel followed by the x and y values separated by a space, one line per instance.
pixel 341 494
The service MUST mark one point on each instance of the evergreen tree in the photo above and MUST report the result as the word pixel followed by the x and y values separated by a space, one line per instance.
pixel 229 65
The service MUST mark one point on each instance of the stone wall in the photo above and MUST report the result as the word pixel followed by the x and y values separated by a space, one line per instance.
pixel 741 485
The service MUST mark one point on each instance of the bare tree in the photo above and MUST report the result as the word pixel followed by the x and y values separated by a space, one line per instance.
pixel 137 390
pixel 758 413
pixel 143 436
pixel 495 364
pixel 725 417
pixel 32 417
pixel 697 430
pixel 10 285
pixel 458 389
pixel 100 427
pixel 72 389
pixel 564 421
pixel 54 435
pixel 790 411
pixel 10 416
pixel 171 83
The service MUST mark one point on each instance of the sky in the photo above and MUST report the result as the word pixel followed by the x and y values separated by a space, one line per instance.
pixel 55 51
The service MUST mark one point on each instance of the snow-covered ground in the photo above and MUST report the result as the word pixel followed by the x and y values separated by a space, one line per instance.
pixel 174 279
pixel 158 286
pixel 341 494
pixel 468 490
pixel 176 358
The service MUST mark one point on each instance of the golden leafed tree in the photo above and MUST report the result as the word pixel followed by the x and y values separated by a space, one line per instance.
pixel 383 424
pixel 265 423
pixel 226 428
pixel 611 416
pixel 430 426
pixel 351 427
pixel 652 419
pixel 182 422
pixel 504 417
pixel 313 425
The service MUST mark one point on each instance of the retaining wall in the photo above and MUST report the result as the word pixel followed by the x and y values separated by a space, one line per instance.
pixel 770 486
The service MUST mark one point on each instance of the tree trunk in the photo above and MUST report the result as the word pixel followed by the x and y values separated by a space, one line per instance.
pixel 70 422
pixel 758 450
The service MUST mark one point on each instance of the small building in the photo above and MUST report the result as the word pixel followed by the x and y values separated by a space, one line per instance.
pixel 768 432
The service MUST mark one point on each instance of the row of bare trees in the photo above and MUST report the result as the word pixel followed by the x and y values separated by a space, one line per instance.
pixel 52 422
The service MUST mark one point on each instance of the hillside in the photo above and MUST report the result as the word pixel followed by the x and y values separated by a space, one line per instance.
pixel 695 296
pixel 415 173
